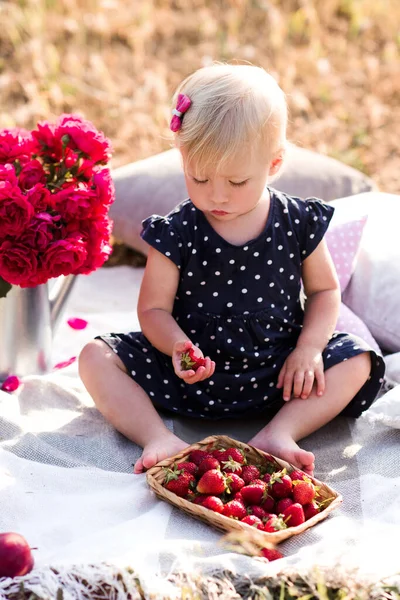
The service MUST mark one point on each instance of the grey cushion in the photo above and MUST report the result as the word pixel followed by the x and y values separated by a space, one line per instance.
pixel 156 185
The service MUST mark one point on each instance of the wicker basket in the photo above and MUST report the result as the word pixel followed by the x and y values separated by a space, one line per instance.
pixel 155 479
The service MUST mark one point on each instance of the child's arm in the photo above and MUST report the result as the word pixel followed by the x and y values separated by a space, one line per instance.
pixel 304 364
pixel 156 301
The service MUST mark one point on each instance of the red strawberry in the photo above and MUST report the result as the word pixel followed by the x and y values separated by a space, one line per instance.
pixel 235 483
pixel 268 504
pixel 235 454
pixel 234 509
pixel 250 472
pixel 303 492
pixel 253 493
pixel 271 554
pixel 282 505
pixel 274 523
pixel 178 482
pixel 310 510
pixel 280 484
pixel 207 464
pixel 218 453
pixel 213 503
pixel 212 482
pixel 189 467
pixel 294 515
pixel 298 475
pixel 252 520
pixel 267 477
pixel 199 499
pixel 238 496
pixel 197 456
pixel 257 511
pixel 189 360
pixel 231 466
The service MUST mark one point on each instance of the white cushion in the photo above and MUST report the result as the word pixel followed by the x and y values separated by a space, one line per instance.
pixel 374 289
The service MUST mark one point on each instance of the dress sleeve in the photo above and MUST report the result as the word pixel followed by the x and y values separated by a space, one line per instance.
pixel 159 233
pixel 313 221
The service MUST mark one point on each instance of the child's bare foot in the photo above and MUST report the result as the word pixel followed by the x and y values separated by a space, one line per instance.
pixel 287 449
pixel 157 450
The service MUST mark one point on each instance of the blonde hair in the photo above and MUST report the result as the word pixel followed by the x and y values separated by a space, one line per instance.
pixel 233 106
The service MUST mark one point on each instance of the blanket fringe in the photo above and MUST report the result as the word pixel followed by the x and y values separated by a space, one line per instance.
pixel 110 582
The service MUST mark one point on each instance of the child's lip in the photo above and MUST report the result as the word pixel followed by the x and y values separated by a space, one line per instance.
pixel 219 212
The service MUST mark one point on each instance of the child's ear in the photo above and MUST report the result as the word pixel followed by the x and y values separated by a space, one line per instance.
pixel 276 162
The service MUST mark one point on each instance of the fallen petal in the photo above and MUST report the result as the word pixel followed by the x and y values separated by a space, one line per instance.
pixel 11 384
pixel 65 363
pixel 77 323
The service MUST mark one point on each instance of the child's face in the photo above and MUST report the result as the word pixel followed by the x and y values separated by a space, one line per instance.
pixel 234 191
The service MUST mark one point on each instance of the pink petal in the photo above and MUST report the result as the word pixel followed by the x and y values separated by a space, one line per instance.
pixel 77 323
pixel 11 384
pixel 65 363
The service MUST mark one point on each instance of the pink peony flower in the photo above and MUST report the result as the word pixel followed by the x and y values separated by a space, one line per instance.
pixel 17 262
pixel 40 198
pixel 75 201
pixel 105 189
pixel 46 143
pixel 7 173
pixel 15 210
pixel 42 230
pixel 96 235
pixel 84 137
pixel 14 143
pixel 64 257
pixel 31 173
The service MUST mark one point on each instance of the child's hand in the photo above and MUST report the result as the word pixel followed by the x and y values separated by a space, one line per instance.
pixel 302 367
pixel 191 375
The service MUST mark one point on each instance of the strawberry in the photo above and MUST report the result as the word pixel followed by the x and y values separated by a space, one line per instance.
pixel 235 454
pixel 231 466
pixel 303 492
pixel 282 504
pixel 274 523
pixel 178 482
pixel 189 467
pixel 238 496
pixel 280 484
pixel 218 453
pixel 310 510
pixel 271 554
pixel 298 475
pixel 234 509
pixel 199 499
pixel 250 472
pixel 252 520
pixel 206 465
pixel 267 477
pixel 294 515
pixel 212 482
pixel 197 456
pixel 213 503
pixel 253 493
pixel 268 504
pixel 189 360
pixel 257 511
pixel 235 483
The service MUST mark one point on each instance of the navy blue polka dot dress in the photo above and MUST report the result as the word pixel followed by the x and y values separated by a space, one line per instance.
pixel 241 306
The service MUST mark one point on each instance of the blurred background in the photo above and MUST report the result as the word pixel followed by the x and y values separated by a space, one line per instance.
pixel 117 63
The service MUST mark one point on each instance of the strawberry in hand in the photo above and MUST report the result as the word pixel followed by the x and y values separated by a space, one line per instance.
pixel 189 360
pixel 190 364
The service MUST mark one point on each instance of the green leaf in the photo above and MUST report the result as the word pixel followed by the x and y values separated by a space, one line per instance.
pixel 5 287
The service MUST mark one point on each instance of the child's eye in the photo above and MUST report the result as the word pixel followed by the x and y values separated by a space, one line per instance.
pixel 199 181
pixel 238 183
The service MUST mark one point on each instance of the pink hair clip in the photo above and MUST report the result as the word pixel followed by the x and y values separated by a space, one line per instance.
pixel 182 105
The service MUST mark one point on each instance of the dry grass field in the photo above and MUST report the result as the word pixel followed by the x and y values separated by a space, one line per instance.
pixel 117 62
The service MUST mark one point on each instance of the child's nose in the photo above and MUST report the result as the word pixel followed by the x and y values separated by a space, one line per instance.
pixel 220 195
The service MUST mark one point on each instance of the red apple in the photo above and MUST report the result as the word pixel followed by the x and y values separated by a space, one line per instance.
pixel 15 555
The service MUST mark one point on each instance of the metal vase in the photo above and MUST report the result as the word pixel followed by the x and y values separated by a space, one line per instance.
pixel 28 317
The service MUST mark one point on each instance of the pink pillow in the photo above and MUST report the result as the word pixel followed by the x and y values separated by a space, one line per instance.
pixel 350 323
pixel 343 239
